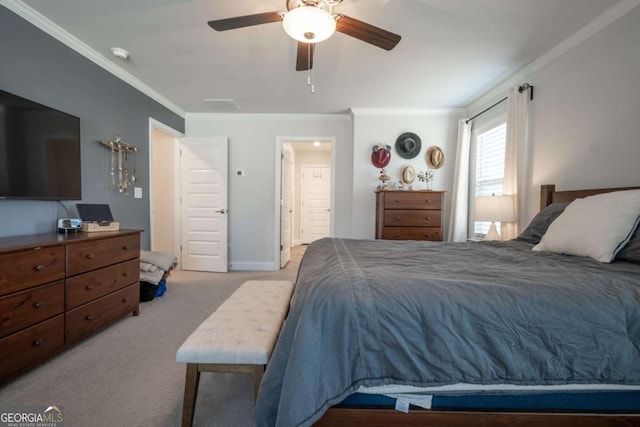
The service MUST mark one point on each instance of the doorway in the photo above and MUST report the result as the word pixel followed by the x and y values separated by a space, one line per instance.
pixel 164 185
pixel 305 192
pixel 188 198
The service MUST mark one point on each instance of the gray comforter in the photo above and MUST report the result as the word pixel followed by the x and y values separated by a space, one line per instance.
pixel 379 312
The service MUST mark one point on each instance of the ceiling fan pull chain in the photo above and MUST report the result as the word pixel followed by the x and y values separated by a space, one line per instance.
pixel 309 70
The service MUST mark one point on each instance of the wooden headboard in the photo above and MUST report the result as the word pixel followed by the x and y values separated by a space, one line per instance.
pixel 548 194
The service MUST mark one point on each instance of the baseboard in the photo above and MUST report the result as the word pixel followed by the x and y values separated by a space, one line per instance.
pixel 253 266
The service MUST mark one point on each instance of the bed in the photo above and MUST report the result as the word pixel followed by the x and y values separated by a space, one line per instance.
pixel 461 319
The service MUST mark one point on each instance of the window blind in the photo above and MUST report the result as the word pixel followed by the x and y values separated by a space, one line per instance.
pixel 490 157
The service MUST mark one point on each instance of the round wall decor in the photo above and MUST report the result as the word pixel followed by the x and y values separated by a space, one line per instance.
pixel 408 174
pixel 381 155
pixel 408 145
pixel 435 157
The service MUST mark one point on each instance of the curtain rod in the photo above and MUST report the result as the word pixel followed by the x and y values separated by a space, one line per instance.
pixel 487 109
pixel 521 89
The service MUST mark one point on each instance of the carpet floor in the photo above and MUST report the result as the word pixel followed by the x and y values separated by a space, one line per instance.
pixel 127 375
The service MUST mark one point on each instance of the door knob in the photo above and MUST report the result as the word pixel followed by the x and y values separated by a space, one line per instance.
pixel 220 211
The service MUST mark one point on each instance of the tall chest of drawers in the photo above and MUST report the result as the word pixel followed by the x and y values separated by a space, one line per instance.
pixel 409 215
pixel 57 289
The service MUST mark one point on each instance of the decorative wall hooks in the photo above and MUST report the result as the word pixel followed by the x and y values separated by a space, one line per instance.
pixel 122 164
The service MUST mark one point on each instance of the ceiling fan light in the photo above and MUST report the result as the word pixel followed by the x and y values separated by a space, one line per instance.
pixel 309 24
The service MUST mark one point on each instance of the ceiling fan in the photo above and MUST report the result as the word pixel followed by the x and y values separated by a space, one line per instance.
pixel 310 22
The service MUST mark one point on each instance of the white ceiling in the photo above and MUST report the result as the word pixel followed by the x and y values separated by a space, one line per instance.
pixel 451 52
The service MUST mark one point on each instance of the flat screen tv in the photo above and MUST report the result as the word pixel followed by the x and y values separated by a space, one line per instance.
pixel 39 151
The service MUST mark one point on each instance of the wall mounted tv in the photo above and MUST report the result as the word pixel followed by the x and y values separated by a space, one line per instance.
pixel 39 151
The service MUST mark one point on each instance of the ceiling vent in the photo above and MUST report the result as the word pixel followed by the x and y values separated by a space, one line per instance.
pixel 222 105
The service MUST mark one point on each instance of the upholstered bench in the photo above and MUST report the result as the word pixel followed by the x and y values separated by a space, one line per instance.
pixel 238 337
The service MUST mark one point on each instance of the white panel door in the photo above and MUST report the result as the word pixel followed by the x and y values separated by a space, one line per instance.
pixel 286 205
pixel 316 203
pixel 204 204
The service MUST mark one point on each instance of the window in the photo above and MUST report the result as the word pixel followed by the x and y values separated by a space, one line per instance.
pixel 490 157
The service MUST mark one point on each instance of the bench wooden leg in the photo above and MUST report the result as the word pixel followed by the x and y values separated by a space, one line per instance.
pixel 190 393
pixel 257 377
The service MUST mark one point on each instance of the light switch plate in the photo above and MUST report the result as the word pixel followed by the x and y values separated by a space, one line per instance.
pixel 137 192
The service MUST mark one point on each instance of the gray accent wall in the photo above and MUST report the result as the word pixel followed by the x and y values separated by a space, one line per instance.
pixel 38 67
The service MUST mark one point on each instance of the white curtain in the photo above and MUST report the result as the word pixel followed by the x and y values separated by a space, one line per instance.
pixel 516 171
pixel 460 196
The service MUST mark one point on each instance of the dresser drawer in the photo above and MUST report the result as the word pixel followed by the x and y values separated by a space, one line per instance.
pixel 87 319
pixel 412 200
pixel 92 255
pixel 412 233
pixel 412 218
pixel 30 346
pixel 86 287
pixel 26 308
pixel 24 269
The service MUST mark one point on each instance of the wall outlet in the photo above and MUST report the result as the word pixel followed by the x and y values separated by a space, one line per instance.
pixel 240 172
pixel 137 192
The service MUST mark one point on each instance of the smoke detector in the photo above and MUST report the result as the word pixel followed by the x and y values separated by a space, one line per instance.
pixel 120 53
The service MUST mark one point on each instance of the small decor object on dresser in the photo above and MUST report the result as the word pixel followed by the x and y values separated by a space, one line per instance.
pixel 427 178
pixel 408 145
pixel 96 217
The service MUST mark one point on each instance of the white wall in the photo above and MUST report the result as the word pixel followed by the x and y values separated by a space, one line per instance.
pixel 585 115
pixel 371 128
pixel 252 147
pixel 584 118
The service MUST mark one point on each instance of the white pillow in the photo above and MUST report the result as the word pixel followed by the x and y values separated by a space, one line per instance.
pixel 597 226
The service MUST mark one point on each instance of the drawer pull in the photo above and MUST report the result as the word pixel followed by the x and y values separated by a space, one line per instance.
pixel 37 305
pixel 89 286
pixel 397 201
pixel 427 201
pixel 125 299
pixel 89 318
pixel 428 218
pixel 125 274
pixel 39 267
pixel 126 247
pixel 398 218
pixel 90 256
pixel 397 234
pixel 37 342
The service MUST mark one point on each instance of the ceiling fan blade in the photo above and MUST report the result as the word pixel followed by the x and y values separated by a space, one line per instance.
pixel 367 32
pixel 245 21
pixel 304 61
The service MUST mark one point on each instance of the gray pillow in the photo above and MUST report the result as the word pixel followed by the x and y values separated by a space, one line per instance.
pixel 631 252
pixel 541 222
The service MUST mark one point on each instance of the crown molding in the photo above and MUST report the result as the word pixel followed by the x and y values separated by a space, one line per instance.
pixel 605 19
pixel 407 112
pixel 268 116
pixel 57 32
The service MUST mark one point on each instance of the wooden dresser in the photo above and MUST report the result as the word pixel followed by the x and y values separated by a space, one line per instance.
pixel 409 215
pixel 57 289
